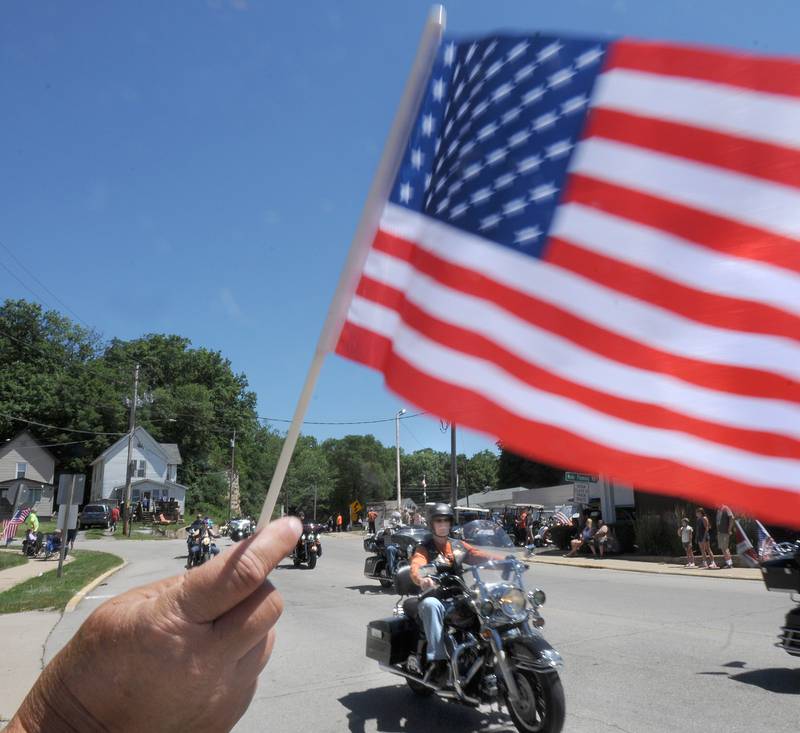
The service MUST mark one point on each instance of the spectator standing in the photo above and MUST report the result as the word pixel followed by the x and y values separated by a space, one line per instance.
pixel 339 522
pixel 114 519
pixel 685 532
pixel 530 521
pixel 703 535
pixel 32 521
pixel 724 526
pixel 372 515
pixel 600 538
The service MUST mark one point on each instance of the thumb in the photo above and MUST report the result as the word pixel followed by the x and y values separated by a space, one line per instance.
pixel 219 585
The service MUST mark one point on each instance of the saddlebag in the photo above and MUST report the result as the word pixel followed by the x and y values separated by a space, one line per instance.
pixel 390 640
pixel 371 565
pixel 782 573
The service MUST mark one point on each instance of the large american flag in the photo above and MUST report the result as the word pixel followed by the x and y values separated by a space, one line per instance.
pixel 591 252
pixel 9 526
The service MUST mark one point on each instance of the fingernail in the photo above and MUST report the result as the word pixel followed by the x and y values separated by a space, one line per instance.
pixel 297 525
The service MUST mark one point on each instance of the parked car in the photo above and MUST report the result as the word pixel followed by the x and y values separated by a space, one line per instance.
pixel 95 515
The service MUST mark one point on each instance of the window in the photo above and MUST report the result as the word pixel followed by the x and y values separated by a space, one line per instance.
pixel 21 469
pixel 140 473
pixel 32 496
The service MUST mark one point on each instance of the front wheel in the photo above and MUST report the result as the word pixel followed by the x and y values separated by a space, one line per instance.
pixel 385 583
pixel 541 707
pixel 312 561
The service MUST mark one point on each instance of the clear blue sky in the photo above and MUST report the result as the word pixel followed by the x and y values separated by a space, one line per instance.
pixel 199 168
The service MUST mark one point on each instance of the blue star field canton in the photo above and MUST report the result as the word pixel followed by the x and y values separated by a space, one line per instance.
pixel 498 122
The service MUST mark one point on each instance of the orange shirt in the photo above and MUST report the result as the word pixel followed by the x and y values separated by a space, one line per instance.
pixel 420 558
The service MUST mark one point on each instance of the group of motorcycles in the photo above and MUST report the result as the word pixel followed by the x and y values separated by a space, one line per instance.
pixel 492 627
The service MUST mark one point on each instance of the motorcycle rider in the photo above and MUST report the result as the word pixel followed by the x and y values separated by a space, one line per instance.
pixel 389 547
pixel 431 609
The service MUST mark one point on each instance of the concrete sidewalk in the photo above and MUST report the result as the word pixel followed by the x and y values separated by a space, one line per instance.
pixel 654 565
pixel 33 568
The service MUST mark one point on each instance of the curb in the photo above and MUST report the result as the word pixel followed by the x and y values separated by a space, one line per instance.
pixel 78 597
pixel 654 569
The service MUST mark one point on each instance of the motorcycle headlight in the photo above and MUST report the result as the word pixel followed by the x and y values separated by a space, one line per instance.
pixel 302 538
pixel 512 602
pixel 537 597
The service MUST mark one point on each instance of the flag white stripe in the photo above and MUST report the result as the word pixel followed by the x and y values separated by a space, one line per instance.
pixel 568 360
pixel 510 394
pixel 677 259
pixel 605 307
pixel 763 204
pixel 731 110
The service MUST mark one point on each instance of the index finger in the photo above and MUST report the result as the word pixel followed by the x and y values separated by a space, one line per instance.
pixel 219 585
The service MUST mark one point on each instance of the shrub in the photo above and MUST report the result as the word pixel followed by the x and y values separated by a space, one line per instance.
pixel 657 534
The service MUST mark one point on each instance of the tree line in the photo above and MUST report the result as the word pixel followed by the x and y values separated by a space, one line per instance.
pixel 78 387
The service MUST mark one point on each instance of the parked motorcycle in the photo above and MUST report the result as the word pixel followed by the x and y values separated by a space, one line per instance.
pixel 782 573
pixel 240 529
pixel 492 627
pixel 404 538
pixel 308 548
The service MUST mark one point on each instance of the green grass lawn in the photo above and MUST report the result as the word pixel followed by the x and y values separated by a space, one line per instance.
pixel 11 558
pixel 48 591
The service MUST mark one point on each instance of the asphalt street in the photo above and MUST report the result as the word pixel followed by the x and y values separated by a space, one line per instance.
pixel 655 653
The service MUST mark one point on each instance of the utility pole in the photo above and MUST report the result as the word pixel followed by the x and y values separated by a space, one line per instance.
pixel 397 452
pixel 453 467
pixel 230 475
pixel 126 525
pixel 315 504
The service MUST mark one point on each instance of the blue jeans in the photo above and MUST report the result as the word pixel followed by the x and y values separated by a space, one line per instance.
pixel 431 611
pixel 391 559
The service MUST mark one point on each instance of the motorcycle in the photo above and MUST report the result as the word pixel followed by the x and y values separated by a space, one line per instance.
pixel 308 548
pixel 404 538
pixel 240 529
pixel 782 573
pixel 199 547
pixel 493 634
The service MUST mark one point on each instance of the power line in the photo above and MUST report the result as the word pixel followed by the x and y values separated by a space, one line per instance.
pixel 56 427
pixel 343 422
pixel 19 262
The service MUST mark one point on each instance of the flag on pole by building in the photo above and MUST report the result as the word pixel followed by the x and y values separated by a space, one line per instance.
pixel 561 519
pixel 744 548
pixel 9 527
pixel 766 545
pixel 591 251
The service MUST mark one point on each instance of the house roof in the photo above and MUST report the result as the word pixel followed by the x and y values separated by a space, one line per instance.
pixel 140 433
pixel 32 440
pixel 173 453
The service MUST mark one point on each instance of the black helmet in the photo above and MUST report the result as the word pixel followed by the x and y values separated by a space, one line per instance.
pixel 442 510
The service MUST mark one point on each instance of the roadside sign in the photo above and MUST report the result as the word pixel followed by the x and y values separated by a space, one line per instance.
pixel 573 477
pixel 71 520
pixel 65 488
pixel 581 493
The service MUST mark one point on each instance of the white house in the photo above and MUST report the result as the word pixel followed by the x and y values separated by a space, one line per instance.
pixel 26 476
pixel 154 471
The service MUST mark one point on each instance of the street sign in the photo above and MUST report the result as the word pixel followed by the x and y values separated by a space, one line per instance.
pixel 572 477
pixel 65 488
pixel 581 493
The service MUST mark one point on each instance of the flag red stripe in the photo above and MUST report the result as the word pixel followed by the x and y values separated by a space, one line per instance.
pixel 361 345
pixel 474 344
pixel 708 230
pixel 562 448
pixel 716 310
pixel 740 154
pixel 776 75
pixel 738 380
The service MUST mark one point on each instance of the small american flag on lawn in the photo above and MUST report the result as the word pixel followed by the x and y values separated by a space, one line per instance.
pixel 10 525
pixel 592 251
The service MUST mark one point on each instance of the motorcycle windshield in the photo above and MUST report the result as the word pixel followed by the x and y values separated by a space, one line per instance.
pixel 486 534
